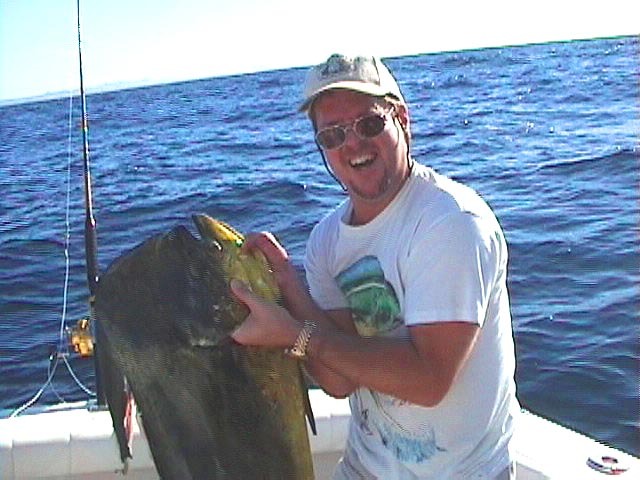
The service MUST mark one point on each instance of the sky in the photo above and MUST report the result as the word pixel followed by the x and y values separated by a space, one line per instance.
pixel 138 42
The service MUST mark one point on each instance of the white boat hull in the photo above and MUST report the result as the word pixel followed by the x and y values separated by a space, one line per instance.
pixel 73 442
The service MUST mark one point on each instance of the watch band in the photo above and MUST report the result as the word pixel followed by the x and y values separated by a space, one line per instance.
pixel 299 348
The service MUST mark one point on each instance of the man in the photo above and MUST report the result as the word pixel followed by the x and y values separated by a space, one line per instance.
pixel 408 310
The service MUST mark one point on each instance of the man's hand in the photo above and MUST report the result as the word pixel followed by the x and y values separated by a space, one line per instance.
pixel 267 325
pixel 274 252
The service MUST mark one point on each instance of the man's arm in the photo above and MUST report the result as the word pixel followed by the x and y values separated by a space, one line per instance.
pixel 298 302
pixel 302 307
pixel 419 369
pixel 332 382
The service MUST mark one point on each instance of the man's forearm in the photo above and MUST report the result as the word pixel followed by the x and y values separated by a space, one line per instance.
pixel 381 364
pixel 331 382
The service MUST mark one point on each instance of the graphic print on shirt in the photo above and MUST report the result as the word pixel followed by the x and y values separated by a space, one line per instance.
pixel 373 301
pixel 376 311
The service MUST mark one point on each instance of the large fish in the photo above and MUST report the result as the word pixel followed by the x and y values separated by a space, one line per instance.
pixel 211 409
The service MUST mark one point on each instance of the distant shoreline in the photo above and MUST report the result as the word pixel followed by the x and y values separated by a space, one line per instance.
pixel 130 85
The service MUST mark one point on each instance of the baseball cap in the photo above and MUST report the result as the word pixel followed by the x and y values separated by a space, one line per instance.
pixel 361 74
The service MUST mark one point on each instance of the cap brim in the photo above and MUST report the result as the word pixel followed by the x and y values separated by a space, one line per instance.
pixel 355 86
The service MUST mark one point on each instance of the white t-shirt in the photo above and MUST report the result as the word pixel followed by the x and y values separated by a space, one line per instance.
pixel 435 254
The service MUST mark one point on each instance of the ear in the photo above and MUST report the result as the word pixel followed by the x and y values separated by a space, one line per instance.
pixel 402 112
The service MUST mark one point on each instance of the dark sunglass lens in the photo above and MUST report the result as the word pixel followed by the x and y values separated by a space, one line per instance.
pixel 370 126
pixel 330 138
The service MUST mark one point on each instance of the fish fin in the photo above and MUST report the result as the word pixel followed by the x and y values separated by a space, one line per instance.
pixel 116 396
pixel 307 402
pixel 129 418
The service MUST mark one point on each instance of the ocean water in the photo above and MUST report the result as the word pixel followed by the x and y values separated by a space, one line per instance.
pixel 548 134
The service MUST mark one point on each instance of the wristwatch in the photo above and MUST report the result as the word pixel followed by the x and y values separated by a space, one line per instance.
pixel 299 348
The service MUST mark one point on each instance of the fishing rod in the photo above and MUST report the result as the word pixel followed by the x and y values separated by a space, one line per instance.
pixel 107 375
pixel 90 230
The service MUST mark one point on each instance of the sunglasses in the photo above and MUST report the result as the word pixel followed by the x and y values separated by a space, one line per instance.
pixel 367 126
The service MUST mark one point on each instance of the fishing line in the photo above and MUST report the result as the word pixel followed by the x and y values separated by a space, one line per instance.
pixel 62 350
pixel 62 345
pixel 35 398
pixel 77 380
pixel 55 355
pixel 53 387
pixel 67 236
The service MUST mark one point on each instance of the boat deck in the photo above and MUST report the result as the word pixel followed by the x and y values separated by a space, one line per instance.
pixel 70 441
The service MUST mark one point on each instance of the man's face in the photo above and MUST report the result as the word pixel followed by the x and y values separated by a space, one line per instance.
pixel 372 169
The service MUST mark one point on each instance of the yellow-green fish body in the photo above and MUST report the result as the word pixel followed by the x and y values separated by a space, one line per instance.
pixel 211 409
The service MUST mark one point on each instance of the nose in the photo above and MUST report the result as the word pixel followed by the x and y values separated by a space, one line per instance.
pixel 350 136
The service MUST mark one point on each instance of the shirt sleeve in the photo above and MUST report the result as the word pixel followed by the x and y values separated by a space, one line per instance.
pixel 451 270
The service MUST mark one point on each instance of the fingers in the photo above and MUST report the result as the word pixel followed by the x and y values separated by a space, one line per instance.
pixel 243 293
pixel 266 325
pixel 267 243
pixel 239 333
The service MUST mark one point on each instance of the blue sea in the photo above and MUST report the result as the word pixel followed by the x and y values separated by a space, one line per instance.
pixel 548 134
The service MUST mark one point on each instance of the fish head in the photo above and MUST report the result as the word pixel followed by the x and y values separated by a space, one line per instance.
pixel 250 267
pixel 176 286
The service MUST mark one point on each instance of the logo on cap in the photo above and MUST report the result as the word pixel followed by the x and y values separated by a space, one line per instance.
pixel 357 68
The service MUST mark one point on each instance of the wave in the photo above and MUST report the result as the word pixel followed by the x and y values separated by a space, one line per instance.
pixel 624 160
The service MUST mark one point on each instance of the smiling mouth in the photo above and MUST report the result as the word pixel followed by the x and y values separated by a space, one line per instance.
pixel 361 162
